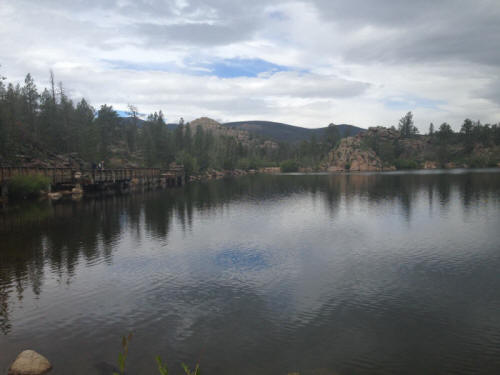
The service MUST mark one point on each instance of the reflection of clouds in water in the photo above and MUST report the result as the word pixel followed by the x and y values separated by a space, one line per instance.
pixel 286 252
pixel 273 254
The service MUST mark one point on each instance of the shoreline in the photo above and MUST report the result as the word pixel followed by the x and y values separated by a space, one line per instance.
pixel 78 192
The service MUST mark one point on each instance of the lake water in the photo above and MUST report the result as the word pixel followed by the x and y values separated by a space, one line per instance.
pixel 383 273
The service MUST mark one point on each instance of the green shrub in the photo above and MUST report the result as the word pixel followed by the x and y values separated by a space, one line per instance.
pixel 477 162
pixel 189 162
pixel 481 162
pixel 243 163
pixel 289 166
pixel 406 164
pixel 27 186
pixel 265 163
pixel 492 163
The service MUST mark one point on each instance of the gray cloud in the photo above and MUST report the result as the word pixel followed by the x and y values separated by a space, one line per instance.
pixel 391 13
pixel 419 31
pixel 194 34
pixel 491 91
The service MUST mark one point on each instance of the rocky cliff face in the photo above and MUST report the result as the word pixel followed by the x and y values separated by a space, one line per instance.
pixel 355 154
pixel 242 136
pixel 211 125
pixel 350 156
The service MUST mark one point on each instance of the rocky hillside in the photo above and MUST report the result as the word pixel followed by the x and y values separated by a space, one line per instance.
pixel 380 149
pixel 353 154
pixel 243 136
pixel 350 155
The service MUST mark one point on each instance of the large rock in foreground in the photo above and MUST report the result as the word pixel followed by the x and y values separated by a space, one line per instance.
pixel 30 362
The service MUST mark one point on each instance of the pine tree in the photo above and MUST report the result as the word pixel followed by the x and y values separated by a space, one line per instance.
pixel 87 132
pixel 30 97
pixel 107 122
pixel 406 126
pixel 132 128
pixel 332 135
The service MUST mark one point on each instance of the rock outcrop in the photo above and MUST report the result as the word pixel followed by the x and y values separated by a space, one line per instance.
pixel 352 155
pixel 430 165
pixel 242 136
pixel 30 362
pixel 270 170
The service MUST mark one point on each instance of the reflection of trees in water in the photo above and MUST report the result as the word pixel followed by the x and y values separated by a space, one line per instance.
pixel 63 235
pixel 477 188
pixel 60 238
pixel 404 189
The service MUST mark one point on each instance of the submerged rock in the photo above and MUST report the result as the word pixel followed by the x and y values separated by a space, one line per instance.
pixel 30 362
pixel 54 196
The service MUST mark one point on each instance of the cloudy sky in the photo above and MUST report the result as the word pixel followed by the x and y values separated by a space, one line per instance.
pixel 306 63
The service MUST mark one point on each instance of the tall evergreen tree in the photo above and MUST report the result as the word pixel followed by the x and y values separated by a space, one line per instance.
pixel 467 133
pixel 30 96
pixel 87 132
pixel 107 123
pixel 406 126
pixel 132 128
pixel 332 135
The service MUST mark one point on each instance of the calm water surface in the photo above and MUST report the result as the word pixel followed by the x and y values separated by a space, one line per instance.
pixel 320 274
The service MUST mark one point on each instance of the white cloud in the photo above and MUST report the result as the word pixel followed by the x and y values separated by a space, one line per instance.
pixel 349 62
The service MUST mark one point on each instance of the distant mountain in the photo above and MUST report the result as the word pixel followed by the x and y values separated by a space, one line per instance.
pixel 276 131
pixel 288 133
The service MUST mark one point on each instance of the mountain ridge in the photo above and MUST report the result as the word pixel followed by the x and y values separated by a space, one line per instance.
pixel 282 132
pixel 275 131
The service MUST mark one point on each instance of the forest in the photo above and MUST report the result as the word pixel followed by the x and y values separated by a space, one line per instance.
pixel 37 123
pixel 49 122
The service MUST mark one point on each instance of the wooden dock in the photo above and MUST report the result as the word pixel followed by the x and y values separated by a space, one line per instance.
pixel 96 179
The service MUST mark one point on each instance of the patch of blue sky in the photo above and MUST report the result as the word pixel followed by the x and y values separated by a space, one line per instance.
pixel 222 68
pixel 122 113
pixel 411 102
pixel 233 68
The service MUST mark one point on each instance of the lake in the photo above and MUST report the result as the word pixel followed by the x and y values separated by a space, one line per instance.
pixel 376 273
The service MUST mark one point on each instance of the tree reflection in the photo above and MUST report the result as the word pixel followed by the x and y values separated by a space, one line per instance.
pixel 55 238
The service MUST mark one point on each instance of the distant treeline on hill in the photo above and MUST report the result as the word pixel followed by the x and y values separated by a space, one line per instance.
pixel 34 126
pixel 288 133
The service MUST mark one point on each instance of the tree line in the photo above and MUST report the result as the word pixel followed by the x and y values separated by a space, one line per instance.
pixel 50 121
pixel 471 132
pixel 475 144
